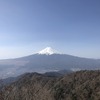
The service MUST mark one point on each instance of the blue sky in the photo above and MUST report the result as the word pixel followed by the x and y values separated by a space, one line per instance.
pixel 69 26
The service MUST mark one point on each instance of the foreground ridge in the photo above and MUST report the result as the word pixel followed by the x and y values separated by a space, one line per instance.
pixel 82 85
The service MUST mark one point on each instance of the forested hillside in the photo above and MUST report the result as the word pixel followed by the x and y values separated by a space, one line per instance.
pixel 82 85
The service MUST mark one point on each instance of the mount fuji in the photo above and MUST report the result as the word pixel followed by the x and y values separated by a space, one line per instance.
pixel 47 51
pixel 46 60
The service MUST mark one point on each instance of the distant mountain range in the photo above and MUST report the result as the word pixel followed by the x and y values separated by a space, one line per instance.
pixel 46 60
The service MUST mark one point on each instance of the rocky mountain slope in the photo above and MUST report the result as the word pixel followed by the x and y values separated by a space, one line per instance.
pixel 82 85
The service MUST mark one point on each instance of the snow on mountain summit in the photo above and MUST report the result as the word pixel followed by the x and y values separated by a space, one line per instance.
pixel 47 51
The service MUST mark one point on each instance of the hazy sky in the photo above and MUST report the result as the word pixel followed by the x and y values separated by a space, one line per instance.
pixel 69 26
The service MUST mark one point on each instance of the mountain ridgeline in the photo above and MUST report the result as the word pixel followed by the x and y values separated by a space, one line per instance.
pixel 44 63
pixel 82 85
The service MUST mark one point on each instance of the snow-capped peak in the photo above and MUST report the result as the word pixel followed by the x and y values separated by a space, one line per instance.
pixel 47 51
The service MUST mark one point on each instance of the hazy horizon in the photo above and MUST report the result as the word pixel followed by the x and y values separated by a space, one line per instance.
pixel 68 26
